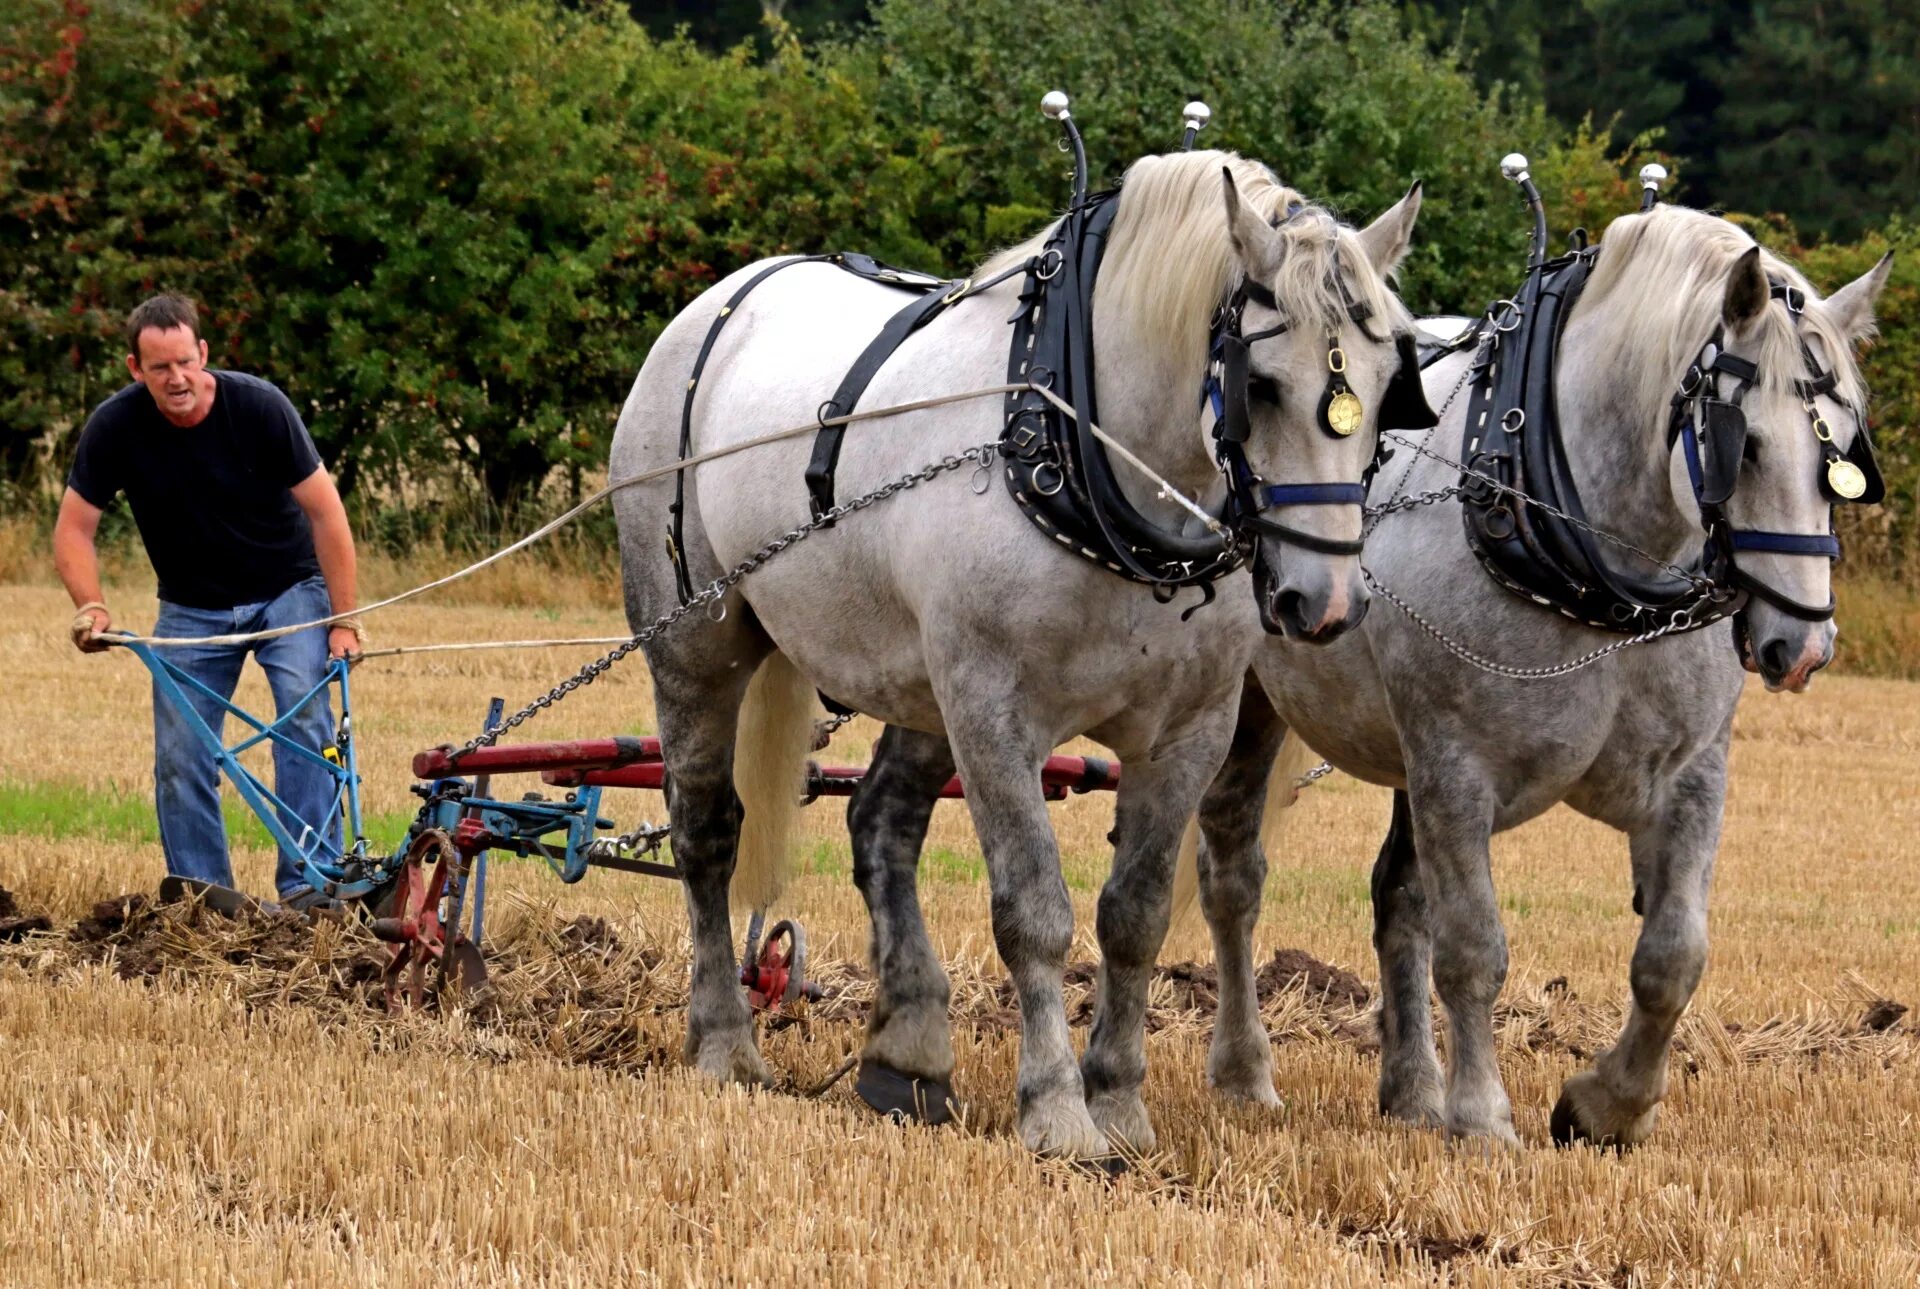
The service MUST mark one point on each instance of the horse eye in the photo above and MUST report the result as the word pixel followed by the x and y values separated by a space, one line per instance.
pixel 1752 450
pixel 1264 388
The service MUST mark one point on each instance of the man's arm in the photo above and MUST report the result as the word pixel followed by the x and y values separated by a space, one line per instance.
pixel 333 545
pixel 78 565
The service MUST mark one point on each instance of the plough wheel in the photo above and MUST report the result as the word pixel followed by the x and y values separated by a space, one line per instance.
pixel 779 974
pixel 414 928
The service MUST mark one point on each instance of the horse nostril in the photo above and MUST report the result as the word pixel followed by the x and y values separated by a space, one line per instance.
pixel 1290 607
pixel 1774 659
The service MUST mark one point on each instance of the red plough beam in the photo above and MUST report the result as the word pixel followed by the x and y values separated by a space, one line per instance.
pixel 1058 777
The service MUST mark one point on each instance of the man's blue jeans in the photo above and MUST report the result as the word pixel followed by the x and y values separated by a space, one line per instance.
pixel 186 782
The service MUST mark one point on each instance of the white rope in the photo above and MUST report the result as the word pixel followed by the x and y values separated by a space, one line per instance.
pixel 1167 490
pixel 568 517
pixel 394 651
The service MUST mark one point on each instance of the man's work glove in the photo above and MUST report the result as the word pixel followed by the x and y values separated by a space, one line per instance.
pixel 88 620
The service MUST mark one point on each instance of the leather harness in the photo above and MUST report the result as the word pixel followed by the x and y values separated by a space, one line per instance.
pixel 1056 470
pixel 1512 439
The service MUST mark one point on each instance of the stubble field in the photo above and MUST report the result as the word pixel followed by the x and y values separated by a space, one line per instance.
pixel 200 1102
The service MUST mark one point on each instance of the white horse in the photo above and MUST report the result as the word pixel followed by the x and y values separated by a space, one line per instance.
pixel 1638 740
pixel 946 612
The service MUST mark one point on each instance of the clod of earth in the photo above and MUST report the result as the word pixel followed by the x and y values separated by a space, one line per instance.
pixel 15 925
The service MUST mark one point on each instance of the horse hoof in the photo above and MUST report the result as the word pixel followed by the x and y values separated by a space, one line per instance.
pixel 1584 1116
pixel 729 1060
pixel 899 1095
pixel 1124 1119
pixel 1565 1128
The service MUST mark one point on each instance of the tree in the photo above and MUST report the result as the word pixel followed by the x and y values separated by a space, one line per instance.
pixel 1821 113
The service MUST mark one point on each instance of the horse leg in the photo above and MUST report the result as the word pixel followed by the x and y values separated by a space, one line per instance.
pixel 1233 874
pixel 1616 1102
pixel 1411 1087
pixel 907 1060
pixel 1452 827
pixel 1158 794
pixel 1000 760
pixel 697 702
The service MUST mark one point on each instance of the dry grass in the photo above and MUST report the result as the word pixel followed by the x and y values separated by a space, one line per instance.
pixel 240 1114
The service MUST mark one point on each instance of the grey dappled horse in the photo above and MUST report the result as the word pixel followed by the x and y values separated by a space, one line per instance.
pixel 1637 741
pixel 946 614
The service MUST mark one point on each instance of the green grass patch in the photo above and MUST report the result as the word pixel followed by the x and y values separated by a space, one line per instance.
pixel 61 811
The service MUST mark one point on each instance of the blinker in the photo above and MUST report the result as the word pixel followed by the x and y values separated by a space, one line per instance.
pixel 1723 427
pixel 1405 406
pixel 1235 425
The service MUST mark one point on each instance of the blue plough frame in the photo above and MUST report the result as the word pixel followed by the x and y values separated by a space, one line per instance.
pixel 325 865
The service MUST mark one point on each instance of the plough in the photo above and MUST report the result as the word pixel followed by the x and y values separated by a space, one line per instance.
pixel 427 898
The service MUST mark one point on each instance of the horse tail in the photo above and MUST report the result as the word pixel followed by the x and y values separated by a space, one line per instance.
pixel 1293 760
pixel 775 734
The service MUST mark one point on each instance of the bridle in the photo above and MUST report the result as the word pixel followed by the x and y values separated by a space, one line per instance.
pixel 1231 387
pixel 1705 415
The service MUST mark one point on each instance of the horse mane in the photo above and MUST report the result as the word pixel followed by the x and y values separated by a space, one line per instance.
pixel 1669 267
pixel 1169 262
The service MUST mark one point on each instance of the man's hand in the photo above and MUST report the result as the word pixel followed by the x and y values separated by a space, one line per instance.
pixel 343 640
pixel 91 619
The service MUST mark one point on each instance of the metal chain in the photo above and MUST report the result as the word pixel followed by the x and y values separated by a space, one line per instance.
pixel 1313 776
pixel 1687 575
pixel 1372 515
pixel 823 731
pixel 1680 622
pixel 714 592
pixel 1413 502
pixel 644 840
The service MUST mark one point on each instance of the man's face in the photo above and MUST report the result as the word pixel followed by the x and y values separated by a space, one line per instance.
pixel 172 365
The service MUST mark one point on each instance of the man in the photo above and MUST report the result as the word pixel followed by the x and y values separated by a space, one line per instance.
pixel 246 533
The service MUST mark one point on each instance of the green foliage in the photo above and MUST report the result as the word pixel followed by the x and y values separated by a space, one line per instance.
pixel 452 231
pixel 1339 99
pixel 1821 113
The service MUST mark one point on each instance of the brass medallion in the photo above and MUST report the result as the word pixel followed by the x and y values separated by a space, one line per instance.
pixel 1343 413
pixel 1846 479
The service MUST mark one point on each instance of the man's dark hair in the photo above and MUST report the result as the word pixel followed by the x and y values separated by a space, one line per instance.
pixel 165 312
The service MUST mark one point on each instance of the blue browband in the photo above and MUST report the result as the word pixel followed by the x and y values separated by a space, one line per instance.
pixel 1311 494
pixel 1747 539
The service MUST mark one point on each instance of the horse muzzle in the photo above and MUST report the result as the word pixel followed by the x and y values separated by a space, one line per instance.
pixel 1315 604
pixel 1786 654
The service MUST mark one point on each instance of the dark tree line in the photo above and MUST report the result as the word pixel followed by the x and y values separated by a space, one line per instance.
pixel 1807 107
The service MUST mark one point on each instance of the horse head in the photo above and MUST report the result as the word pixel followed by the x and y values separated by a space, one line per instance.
pixel 1315 358
pixel 1753 374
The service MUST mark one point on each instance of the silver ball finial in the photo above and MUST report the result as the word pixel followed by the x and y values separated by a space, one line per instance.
pixel 1054 105
pixel 1513 167
pixel 1196 114
pixel 1652 175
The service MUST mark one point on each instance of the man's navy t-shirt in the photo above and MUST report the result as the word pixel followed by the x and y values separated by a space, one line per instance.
pixel 213 503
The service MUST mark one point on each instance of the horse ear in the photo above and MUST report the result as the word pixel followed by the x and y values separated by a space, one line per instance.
pixel 1257 245
pixel 1387 238
pixel 1851 307
pixel 1747 292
